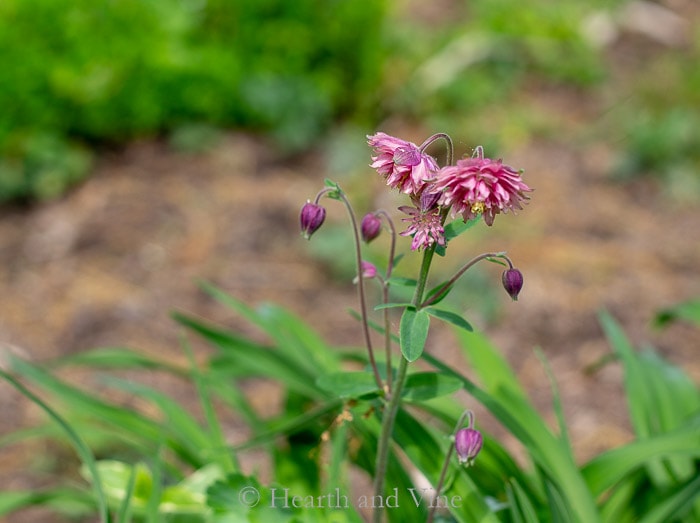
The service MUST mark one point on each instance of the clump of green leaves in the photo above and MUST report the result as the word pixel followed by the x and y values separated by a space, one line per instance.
pixel 181 467
pixel 88 72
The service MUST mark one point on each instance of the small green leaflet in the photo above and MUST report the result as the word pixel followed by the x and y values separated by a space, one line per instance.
pixel 450 317
pixel 454 229
pixel 413 332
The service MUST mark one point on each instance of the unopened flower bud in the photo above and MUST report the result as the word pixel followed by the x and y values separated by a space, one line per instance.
pixel 371 227
pixel 513 282
pixel 311 218
pixel 369 271
pixel 468 443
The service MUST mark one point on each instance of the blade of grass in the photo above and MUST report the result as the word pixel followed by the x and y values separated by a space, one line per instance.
pixel 677 505
pixel 216 434
pixel 256 360
pixel 124 513
pixel 88 404
pixel 556 399
pixel 606 469
pixel 79 445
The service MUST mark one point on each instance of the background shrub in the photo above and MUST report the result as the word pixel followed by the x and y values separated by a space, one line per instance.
pixel 99 71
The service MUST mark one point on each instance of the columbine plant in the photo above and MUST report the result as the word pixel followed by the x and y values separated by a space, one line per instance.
pixel 472 188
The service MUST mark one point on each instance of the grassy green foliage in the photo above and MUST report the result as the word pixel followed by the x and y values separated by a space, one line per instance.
pixel 98 71
pixel 179 466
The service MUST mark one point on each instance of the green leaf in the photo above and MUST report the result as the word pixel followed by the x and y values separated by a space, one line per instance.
pixel 454 229
pixel 413 332
pixel 120 480
pixel 334 195
pixel 688 311
pixel 450 317
pixel 118 358
pixel 606 469
pixel 436 289
pixel 677 505
pixel 349 384
pixel 521 507
pixel 78 443
pixel 253 359
pixel 402 282
pixel 660 396
pixel 391 306
pixel 300 343
pixel 423 386
pixel 58 498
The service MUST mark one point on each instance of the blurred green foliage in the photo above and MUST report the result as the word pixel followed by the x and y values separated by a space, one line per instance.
pixel 80 73
pixel 104 71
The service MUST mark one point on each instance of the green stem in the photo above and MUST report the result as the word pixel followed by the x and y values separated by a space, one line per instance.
pixel 392 407
pixel 360 279
pixel 385 300
pixel 448 285
pixel 446 464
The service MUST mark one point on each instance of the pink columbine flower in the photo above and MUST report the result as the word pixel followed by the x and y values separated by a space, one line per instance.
pixel 403 165
pixel 425 226
pixel 480 185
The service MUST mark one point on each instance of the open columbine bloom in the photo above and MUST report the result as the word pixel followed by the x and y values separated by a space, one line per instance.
pixel 480 185
pixel 403 165
pixel 425 226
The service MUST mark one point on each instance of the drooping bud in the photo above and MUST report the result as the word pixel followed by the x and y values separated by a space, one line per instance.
pixel 371 227
pixel 468 442
pixel 369 271
pixel 513 282
pixel 311 218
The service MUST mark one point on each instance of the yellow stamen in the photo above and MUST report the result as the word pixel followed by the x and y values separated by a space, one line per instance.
pixel 478 207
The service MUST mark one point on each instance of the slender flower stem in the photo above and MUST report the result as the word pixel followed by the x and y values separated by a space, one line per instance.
pixel 446 464
pixel 385 300
pixel 446 287
pixel 360 279
pixel 437 136
pixel 392 248
pixel 392 407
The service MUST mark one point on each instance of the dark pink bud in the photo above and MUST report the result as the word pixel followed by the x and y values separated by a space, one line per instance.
pixel 371 227
pixel 513 282
pixel 468 443
pixel 311 218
